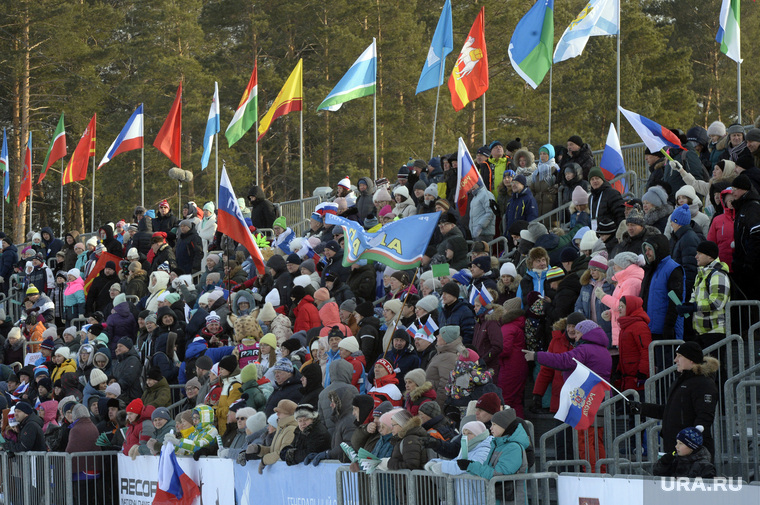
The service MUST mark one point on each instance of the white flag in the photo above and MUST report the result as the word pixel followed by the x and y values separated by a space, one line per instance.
pixel 598 17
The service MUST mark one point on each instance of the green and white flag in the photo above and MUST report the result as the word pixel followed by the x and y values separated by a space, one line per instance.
pixel 728 33
pixel 245 114
pixel 359 81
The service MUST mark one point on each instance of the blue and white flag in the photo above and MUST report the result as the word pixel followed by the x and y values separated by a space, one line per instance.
pixel 212 127
pixel 5 167
pixel 358 81
pixel 399 244
pixel 598 17
pixel 442 44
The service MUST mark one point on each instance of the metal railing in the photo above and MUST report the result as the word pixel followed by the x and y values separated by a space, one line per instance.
pixel 297 213
pixel 417 487
pixel 60 478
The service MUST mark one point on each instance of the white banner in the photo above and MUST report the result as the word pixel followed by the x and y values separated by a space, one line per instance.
pixel 138 479
pixel 281 484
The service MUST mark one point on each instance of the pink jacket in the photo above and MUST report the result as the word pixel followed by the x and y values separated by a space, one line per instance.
pixel 628 283
pixel 722 233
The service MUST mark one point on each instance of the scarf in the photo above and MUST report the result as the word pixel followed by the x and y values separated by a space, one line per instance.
pixel 468 445
pixel 735 151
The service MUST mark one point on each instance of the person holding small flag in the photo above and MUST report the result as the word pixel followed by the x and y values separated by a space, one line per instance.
pixel 590 350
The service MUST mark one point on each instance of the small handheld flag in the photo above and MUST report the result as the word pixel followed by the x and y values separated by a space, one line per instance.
pixel 430 327
pixel 580 397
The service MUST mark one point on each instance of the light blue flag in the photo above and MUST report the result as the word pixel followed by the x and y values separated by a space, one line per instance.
pixel 5 168
pixel 442 44
pixel 212 127
pixel 598 17
pixel 358 81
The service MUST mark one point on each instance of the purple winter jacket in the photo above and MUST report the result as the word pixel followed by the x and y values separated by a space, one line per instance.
pixel 121 323
pixel 591 350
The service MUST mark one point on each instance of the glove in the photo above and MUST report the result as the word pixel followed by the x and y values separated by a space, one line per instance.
pixel 103 440
pixel 134 451
pixel 607 316
pixel 432 443
pixel 319 457
pixel 463 464
pixel 261 467
pixel 529 355
pixel 204 451
pixel 599 292
pixel 676 166
pixel 309 457
pixel 169 437
pixel 287 455
pixel 252 449
pixel 635 407
pixel 641 378
pixel 686 308
pixel 241 459
pixel 538 404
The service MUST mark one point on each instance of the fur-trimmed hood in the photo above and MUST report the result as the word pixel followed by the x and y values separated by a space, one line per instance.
pixel 530 161
pixel 497 312
pixel 658 213
pixel 512 286
pixel 410 425
pixel 560 324
pixel 418 392
pixel 709 367
pixel 511 315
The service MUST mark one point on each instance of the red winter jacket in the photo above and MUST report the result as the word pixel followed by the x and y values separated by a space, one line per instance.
pixel 635 338
pixel 135 430
pixel 559 344
pixel 307 315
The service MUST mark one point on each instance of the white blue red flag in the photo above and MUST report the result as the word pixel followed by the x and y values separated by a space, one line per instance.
pixel 483 297
pixel 130 138
pixel 468 177
pixel 430 327
pixel 612 163
pixel 412 330
pixel 174 486
pixel 581 396
pixel 230 221
pixel 652 134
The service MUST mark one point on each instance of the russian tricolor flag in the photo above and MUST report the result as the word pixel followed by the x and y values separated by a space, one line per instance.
pixel 230 221
pixel 581 396
pixel 174 486
pixel 652 134
pixel 429 327
pixel 130 138
pixel 612 161
pixel 482 297
pixel 412 330
pixel 468 177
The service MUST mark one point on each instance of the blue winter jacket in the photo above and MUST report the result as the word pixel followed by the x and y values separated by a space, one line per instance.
pixel 460 314
pixel 523 206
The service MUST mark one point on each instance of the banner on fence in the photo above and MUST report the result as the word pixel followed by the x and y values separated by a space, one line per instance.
pixel 280 484
pixel 575 490
pixel 138 479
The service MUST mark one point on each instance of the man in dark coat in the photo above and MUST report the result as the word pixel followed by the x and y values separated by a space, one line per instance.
pixel 189 248
pixel 362 281
pixel 683 244
pixel 604 201
pixel 162 252
pixel 287 385
pixel 580 153
pixel 165 221
pixel 8 259
pixel 262 210
pixel 368 335
pixel 140 236
pixel 334 256
pixel 746 237
pixel 30 437
pixel 98 296
pixel 691 401
pixel 112 245
pixel 457 312
pixel 283 279
pixel 52 244
pixel 127 370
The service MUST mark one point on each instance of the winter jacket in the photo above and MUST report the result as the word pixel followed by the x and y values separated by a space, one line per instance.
pixel 189 251
pixel 691 401
pixel 362 282
pixel 341 373
pixel 314 438
pixel 563 301
pixel 606 203
pixel 513 369
pixel 635 338
pixel 459 314
pixel 440 368
pixel 204 434
pixel 403 361
pixel 559 344
pixel 364 201
pixel 722 233
pixel 8 260
pixel 68 365
pixel 746 260
pixel 288 390
pixel 410 452
pixel 283 437
pixel 231 392
pixel 482 219
pixel 158 395
pixel 683 250
pixel 343 422
pixel 522 206
pixel 120 323
pixel 127 373
pixel 135 430
pixel 159 435
pixel 628 283
pixel 583 157
pixel 566 187
pixel 696 464
pixel 588 296
pixel 507 455
pixel 591 350
pixel 419 396
pixel 30 437
pixel 711 295
pixel 633 244
pixel 487 339
pixel 306 314
pixel 262 210
pixel 98 296
pixel 662 276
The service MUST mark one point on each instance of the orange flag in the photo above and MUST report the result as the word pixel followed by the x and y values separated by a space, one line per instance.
pixel 100 265
pixel 169 138
pixel 76 170
pixel 469 79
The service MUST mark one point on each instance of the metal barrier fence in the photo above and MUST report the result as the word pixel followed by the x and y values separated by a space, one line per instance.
pixel 34 478
pixel 404 487
pixel 297 213
pixel 633 159
pixel 742 421
pixel 563 448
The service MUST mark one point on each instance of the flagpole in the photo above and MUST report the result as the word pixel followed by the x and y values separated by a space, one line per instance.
pixel 142 175
pixel 60 221
pixel 551 68
pixel 92 206
pixel 257 149
pixel 216 161
pixel 300 156
pixel 617 89
pixel 739 92
pixel 435 117
pixel 484 118
pixel 374 128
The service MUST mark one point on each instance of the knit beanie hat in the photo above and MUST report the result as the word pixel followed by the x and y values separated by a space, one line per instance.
pixel 135 406
pixel 599 262
pixel 568 254
pixel 579 197
pixel 555 274
pixel 204 362
pixel 78 412
pixel 449 333
pixel 269 339
pixel 381 409
pixel 256 422
pixel 161 413
pixel 489 402
pixel 385 364
pixel 417 376
pixel 388 416
pixel 588 241
pixel 430 409
pixel 365 309
pixel 691 351
pixel 504 417
pixel 393 305
pixel 64 352
pixel 595 172
pixel 681 216
pixel 691 438
pixel 350 344
pixel 229 363
pixel 708 248
pixel 475 427
pixel 283 365
pixel 348 305
pixel 401 417
pixel 742 181
pixel 321 295
pixel 716 128
pixel 25 408
pixel 656 196
pixel 575 318
pixel 635 216
pixel 585 326
pixel 428 303
pixel 451 288
pixel 115 389
pixel 306 411
pixel 267 312
pixel 97 377
pixel 508 268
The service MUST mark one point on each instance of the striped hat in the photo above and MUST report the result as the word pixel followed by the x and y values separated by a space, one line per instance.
pixel 555 274
pixel 599 262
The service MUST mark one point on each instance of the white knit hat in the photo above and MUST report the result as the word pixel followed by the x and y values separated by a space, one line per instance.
pixel 508 268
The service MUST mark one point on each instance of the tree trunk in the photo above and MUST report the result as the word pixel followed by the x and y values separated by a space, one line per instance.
pixel 23 131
